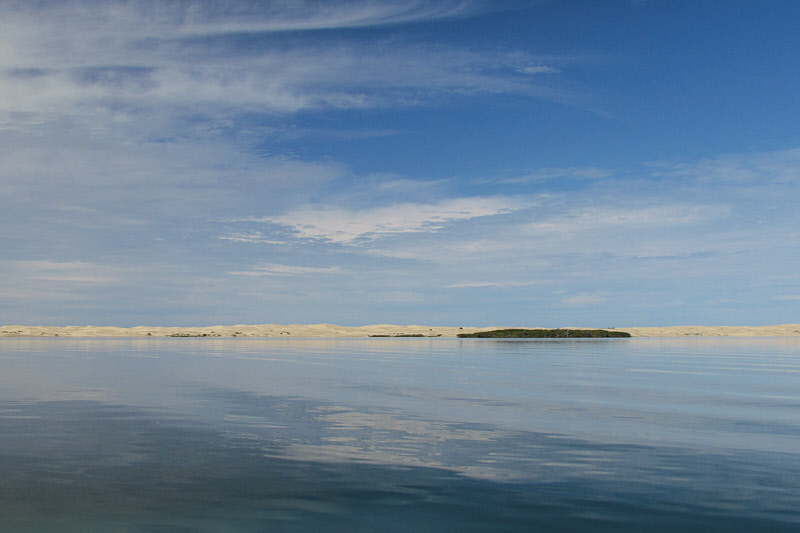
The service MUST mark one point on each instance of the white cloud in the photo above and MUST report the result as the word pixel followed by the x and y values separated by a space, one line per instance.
pixel 761 168
pixel 538 69
pixel 585 299
pixel 347 226
pixel 562 227
pixel 112 22
pixel 75 272
pixel 253 237
pixel 548 174
pixel 493 284
pixel 280 81
pixel 63 175
pixel 79 56
pixel 274 269
pixel 603 219
pixel 305 15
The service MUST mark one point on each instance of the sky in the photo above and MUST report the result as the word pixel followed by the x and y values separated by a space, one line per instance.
pixel 451 163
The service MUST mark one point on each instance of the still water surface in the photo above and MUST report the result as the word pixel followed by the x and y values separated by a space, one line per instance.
pixel 256 435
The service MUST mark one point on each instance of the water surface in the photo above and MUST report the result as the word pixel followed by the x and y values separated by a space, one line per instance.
pixel 254 435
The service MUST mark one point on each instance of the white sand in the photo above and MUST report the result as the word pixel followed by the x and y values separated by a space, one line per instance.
pixel 330 330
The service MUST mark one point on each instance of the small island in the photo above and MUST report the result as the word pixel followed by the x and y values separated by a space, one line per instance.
pixel 545 334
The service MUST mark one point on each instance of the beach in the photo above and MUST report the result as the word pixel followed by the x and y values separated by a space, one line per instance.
pixel 379 330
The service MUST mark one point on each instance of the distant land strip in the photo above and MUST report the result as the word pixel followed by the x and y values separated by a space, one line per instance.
pixel 546 334
pixel 379 330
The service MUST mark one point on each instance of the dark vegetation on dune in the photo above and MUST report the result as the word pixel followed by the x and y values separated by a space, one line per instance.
pixel 406 335
pixel 545 334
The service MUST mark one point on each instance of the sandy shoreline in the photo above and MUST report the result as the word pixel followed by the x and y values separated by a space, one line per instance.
pixel 331 330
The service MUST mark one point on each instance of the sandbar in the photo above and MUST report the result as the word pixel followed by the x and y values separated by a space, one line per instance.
pixel 381 330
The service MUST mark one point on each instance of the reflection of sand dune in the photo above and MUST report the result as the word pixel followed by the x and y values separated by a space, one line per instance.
pixel 330 330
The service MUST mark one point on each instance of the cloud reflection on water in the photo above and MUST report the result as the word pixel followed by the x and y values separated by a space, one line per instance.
pixel 393 435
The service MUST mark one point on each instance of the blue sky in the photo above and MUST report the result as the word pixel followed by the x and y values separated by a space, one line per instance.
pixel 561 163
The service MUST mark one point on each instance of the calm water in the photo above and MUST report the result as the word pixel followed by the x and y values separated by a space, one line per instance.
pixel 258 435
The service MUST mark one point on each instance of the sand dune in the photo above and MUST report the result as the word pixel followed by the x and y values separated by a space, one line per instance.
pixel 330 330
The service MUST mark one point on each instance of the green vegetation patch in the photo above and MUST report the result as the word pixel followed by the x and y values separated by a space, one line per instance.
pixel 545 334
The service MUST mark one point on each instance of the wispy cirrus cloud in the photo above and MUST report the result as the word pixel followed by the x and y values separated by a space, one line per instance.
pixel 306 77
pixel 551 174
pixel 585 299
pixel 760 168
pixel 553 229
pixel 33 289
pixel 151 19
pixel 349 226
pixel 60 271
pixel 275 269
pixel 297 15
pixel 80 192
pixel 588 220
pixel 73 57
pixel 252 237
pixel 490 284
